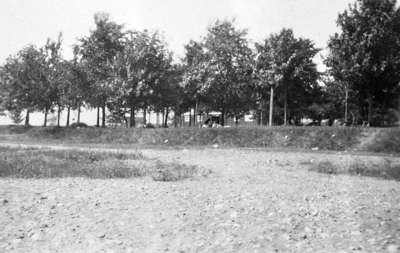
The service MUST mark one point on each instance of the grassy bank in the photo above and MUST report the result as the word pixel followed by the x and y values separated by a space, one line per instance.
pixel 42 163
pixel 321 138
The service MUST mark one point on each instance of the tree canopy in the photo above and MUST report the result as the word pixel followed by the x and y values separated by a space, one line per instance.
pixel 285 63
pixel 129 71
pixel 365 57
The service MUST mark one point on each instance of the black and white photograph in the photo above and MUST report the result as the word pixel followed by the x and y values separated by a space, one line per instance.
pixel 199 126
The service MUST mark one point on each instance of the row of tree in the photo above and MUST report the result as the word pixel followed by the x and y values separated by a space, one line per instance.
pixel 129 71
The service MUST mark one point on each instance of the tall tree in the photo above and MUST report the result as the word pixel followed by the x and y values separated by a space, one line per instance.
pixel 98 52
pixel 365 57
pixel 153 69
pixel 195 75
pixel 24 78
pixel 52 87
pixel 75 86
pixel 9 106
pixel 168 91
pixel 124 94
pixel 285 62
pixel 228 85
pixel 142 72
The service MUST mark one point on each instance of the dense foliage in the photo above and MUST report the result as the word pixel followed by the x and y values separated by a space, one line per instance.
pixel 364 60
pixel 126 71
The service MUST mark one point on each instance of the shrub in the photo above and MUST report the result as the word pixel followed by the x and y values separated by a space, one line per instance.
pixel 79 125
pixel 326 167
pixel 384 169
pixel 175 171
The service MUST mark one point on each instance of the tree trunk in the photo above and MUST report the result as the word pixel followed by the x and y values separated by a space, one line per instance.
pixel 271 106
pixel 285 106
pixel 285 113
pixel 103 118
pixel 261 115
pixel 158 118
pixel 79 115
pixel 346 104
pixel 132 122
pixel 190 117
pixel 149 117
pixel 353 118
pixel 166 118
pixel 98 117
pixel 58 116
pixel 164 111
pixel 27 118
pixel 68 115
pixel 144 116
pixel 222 117
pixel 370 108
pixel 45 118
pixel 176 118
pixel 196 107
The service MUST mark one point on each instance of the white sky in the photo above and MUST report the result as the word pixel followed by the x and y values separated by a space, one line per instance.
pixel 33 21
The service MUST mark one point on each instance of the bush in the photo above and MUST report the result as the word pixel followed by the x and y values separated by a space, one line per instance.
pixel 384 169
pixel 78 125
pixel 326 167
pixel 175 171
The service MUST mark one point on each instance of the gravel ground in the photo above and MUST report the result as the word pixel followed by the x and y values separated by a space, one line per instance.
pixel 254 201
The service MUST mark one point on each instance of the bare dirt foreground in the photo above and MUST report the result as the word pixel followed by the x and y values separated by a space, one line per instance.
pixel 254 201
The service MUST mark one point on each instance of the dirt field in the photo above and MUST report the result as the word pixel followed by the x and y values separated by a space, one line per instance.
pixel 254 201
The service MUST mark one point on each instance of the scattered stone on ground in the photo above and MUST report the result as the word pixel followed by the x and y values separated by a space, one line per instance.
pixel 254 201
